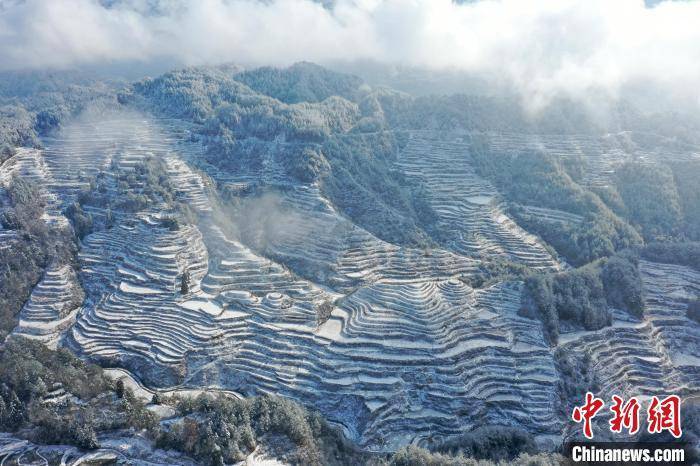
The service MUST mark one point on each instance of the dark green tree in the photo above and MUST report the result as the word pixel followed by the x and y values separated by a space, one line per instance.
pixel 651 198
pixel 119 388
pixel 109 218
pixel 623 285
pixel 185 282
pixel 82 431
pixel 16 412
pixel 3 412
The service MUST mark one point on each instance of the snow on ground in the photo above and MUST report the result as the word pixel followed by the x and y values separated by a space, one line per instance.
pixel 410 353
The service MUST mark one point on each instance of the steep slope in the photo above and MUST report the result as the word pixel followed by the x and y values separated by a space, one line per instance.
pixel 39 284
pixel 223 268
pixel 647 356
pixel 470 218
pixel 52 305
pixel 407 351
pixel 245 320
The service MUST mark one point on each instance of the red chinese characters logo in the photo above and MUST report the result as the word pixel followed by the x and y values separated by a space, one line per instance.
pixel 662 415
pixel 625 415
pixel 665 415
pixel 587 412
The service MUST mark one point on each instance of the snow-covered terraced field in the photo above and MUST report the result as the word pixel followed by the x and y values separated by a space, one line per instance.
pixel 339 253
pixel 115 449
pixel 551 215
pixel 441 354
pixel 249 323
pixel 625 359
pixel 468 207
pixel 54 301
pixel 30 164
pixel 7 237
pixel 396 361
pixel 657 354
pixel 669 288
pixel 316 241
pixel 90 145
pixel 602 155
pixel 133 274
pixel 52 305
pixel 409 353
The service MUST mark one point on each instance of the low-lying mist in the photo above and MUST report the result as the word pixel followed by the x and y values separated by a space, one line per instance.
pixel 262 220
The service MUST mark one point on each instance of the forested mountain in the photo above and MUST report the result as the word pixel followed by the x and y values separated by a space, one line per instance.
pixel 302 82
pixel 335 270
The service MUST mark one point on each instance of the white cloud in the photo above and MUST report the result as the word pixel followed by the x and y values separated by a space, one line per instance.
pixel 542 46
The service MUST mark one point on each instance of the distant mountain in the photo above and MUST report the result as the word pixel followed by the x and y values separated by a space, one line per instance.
pixel 302 82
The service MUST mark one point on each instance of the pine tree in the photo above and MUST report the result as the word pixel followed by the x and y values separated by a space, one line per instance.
pixel 82 430
pixel 85 436
pixel 109 218
pixel 185 283
pixel 15 412
pixel 3 412
pixel 119 388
